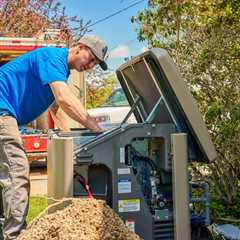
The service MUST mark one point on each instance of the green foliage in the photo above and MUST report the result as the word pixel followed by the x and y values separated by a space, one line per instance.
pixel 214 111
pixel 98 90
pixel 203 37
pixel 220 209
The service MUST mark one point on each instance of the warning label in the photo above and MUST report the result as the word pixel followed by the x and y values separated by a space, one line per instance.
pixel 122 155
pixel 124 186
pixel 122 171
pixel 129 205
pixel 130 225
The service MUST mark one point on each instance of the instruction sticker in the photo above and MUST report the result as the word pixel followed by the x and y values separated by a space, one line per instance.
pixel 122 155
pixel 130 225
pixel 124 186
pixel 129 205
pixel 122 171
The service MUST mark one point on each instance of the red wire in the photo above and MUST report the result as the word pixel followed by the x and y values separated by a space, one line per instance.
pixel 86 187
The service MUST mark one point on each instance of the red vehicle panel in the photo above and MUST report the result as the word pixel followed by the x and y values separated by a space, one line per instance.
pixel 35 146
pixel 35 143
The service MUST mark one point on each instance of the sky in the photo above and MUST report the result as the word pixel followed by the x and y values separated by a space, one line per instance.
pixel 118 31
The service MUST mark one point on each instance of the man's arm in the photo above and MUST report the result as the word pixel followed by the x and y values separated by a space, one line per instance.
pixel 71 105
pixel 58 117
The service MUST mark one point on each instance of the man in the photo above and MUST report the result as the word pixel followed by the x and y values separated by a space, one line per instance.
pixel 28 86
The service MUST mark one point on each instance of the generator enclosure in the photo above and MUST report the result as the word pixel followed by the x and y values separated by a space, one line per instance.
pixel 139 169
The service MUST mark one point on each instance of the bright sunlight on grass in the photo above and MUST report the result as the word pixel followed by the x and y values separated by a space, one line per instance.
pixel 36 206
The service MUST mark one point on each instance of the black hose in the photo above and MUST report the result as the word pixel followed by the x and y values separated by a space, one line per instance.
pixel 143 158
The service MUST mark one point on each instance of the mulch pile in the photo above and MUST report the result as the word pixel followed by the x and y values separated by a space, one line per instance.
pixel 79 219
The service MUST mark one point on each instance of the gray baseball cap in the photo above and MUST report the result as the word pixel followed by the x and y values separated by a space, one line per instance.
pixel 98 48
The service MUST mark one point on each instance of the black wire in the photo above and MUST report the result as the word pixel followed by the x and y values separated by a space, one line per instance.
pixel 114 14
pixel 143 158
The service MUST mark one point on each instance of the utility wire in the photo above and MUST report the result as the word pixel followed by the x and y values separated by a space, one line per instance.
pixel 116 13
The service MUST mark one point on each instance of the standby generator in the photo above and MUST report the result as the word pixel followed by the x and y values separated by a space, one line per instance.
pixel 140 169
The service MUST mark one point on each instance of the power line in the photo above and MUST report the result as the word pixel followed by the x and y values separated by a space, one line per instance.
pixel 116 13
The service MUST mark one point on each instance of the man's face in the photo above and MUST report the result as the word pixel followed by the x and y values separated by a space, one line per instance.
pixel 84 59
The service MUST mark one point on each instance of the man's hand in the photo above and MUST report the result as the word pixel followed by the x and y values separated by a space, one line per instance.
pixel 71 105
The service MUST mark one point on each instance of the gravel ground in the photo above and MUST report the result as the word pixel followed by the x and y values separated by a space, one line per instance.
pixel 81 219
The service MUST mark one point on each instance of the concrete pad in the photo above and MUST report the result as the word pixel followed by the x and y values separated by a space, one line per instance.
pixel 38 180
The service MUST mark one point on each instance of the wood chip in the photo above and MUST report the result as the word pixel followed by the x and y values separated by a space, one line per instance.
pixel 82 219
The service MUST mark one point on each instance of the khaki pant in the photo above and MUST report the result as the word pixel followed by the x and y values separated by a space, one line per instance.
pixel 14 177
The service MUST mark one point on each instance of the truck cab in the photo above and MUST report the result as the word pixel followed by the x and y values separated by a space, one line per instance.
pixel 113 110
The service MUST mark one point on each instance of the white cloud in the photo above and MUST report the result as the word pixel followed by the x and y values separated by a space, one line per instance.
pixel 144 49
pixel 119 52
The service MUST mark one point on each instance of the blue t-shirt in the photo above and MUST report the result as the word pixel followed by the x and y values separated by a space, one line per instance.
pixel 24 82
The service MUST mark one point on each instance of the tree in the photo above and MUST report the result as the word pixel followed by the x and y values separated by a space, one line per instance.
pixel 203 37
pixel 99 89
pixel 25 18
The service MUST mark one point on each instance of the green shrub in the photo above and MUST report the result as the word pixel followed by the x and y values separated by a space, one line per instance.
pixel 221 210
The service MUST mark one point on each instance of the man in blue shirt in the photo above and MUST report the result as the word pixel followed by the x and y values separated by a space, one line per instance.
pixel 29 85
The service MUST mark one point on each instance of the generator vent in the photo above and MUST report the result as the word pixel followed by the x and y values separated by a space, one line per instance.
pixel 163 230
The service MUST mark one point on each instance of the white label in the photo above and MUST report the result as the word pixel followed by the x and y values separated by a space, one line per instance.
pixel 129 205
pixel 123 171
pixel 130 225
pixel 124 186
pixel 122 155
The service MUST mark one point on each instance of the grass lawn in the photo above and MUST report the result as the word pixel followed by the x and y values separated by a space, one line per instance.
pixel 36 206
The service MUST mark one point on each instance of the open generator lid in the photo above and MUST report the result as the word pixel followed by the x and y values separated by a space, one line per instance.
pixel 152 83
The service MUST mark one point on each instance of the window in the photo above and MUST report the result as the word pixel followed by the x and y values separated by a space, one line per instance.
pixel 116 99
